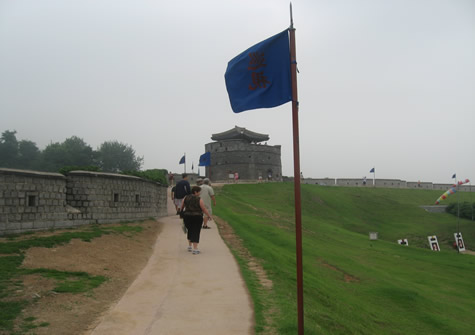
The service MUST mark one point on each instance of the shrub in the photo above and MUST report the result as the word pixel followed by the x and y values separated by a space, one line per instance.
pixel 466 209
pixel 156 175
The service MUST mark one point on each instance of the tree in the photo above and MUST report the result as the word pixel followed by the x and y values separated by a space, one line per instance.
pixel 28 155
pixel 52 157
pixel 157 175
pixel 8 149
pixel 72 152
pixel 114 156
pixel 77 152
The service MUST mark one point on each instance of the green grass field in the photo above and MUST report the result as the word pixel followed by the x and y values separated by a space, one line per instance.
pixel 353 285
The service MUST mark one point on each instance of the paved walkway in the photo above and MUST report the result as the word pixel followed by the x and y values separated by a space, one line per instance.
pixel 180 293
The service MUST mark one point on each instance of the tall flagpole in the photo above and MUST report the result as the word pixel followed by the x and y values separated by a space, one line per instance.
pixel 458 212
pixel 471 201
pixel 298 207
pixel 374 176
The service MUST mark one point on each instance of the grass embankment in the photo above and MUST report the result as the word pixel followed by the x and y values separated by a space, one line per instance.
pixel 353 285
pixel 12 254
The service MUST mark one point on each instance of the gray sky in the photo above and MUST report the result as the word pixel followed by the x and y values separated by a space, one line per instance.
pixel 384 83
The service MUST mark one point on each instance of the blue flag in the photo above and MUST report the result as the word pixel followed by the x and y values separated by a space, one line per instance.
pixel 260 76
pixel 205 159
pixel 454 176
pixel 182 160
pixel 372 170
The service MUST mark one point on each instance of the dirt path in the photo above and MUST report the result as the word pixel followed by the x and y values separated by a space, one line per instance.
pixel 180 293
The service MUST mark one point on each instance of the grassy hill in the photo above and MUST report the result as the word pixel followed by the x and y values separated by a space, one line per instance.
pixel 353 285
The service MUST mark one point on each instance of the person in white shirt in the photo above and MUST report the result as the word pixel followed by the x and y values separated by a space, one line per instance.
pixel 207 194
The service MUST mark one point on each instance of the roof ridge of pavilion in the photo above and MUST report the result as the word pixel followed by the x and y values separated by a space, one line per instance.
pixel 240 133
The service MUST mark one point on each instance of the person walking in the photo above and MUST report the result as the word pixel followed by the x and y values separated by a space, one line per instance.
pixel 171 177
pixel 172 195
pixel 182 189
pixel 193 208
pixel 207 195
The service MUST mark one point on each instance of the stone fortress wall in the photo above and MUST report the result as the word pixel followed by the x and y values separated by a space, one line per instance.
pixel 31 200
pixel 249 160
pixel 389 183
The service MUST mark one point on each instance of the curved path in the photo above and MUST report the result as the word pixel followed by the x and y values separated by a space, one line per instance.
pixel 180 293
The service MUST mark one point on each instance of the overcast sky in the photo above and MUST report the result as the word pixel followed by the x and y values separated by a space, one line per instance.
pixel 383 83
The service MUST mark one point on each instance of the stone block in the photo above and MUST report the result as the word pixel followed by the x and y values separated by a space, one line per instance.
pixel 63 224
pixel 27 225
pixel 39 224
pixel 48 224
pixel 12 225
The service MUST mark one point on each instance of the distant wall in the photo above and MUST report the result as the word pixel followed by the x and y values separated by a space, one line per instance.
pixel 31 200
pixel 389 183
pixel 420 185
pixel 321 181
pixel 442 187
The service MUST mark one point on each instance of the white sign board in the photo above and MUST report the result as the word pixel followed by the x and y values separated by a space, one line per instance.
pixel 433 243
pixel 403 242
pixel 373 235
pixel 459 241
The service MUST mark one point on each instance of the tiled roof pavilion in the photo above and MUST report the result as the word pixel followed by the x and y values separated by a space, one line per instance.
pixel 239 133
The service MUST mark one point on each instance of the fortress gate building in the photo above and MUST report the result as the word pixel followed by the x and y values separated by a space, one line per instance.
pixel 240 150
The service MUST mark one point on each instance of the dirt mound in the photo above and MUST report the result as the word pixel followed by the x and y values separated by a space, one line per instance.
pixel 118 256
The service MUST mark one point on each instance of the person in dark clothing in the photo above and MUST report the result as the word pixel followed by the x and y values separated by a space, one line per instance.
pixel 194 208
pixel 182 189
pixel 172 195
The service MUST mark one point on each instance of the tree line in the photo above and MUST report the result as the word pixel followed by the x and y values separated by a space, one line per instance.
pixel 74 152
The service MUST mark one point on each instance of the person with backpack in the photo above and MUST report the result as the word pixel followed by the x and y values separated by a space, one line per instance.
pixel 182 189
pixel 192 210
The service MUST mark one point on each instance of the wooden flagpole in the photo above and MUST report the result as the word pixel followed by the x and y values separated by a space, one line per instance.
pixel 298 207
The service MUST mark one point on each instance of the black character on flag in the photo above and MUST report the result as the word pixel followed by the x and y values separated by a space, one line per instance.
pixel 258 78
